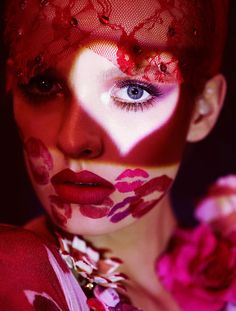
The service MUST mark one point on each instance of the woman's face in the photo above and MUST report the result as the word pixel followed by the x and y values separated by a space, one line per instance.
pixel 104 122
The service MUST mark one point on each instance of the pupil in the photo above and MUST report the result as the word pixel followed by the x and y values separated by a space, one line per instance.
pixel 135 92
pixel 44 85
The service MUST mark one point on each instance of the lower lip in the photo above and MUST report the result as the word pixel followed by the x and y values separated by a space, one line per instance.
pixel 82 194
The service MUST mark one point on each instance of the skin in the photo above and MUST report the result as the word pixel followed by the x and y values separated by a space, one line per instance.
pixel 86 122
pixel 111 150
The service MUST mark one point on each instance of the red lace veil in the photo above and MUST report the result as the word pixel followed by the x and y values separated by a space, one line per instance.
pixel 41 32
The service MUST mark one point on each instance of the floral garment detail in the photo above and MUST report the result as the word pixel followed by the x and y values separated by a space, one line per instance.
pixel 96 274
pixel 199 267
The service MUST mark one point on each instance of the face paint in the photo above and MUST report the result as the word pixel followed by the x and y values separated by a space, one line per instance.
pixel 39 160
pixel 146 195
pixel 60 210
pixel 100 99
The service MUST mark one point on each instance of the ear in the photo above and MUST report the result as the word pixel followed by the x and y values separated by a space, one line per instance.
pixel 207 108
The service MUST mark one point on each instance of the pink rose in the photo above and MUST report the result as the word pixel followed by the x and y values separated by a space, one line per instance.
pixel 218 207
pixel 199 269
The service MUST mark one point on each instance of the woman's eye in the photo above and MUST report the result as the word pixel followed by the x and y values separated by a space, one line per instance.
pixel 42 87
pixel 134 96
pixel 133 93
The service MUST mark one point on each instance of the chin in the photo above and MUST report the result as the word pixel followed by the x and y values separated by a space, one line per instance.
pixel 86 226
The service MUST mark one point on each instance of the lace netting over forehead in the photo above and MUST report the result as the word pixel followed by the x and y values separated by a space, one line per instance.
pixel 142 34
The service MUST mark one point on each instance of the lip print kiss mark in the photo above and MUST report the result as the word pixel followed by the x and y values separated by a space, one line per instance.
pixel 97 211
pixel 144 198
pixel 39 159
pixel 61 210
pixel 88 190
pixel 128 186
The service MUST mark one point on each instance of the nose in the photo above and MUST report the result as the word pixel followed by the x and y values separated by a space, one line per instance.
pixel 79 135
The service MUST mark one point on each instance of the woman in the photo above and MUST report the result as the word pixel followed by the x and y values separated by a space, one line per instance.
pixel 105 96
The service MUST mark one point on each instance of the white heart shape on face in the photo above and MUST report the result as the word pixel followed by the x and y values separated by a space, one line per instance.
pixel 88 79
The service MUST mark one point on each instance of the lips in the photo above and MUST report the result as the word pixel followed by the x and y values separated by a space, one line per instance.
pixel 81 188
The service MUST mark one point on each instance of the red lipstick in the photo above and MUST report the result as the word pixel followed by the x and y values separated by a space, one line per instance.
pixel 81 188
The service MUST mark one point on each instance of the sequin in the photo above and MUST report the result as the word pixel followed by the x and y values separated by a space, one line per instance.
pixel 162 67
pixel 20 32
pixel 38 60
pixel 89 286
pixel 195 32
pixel 74 22
pixel 171 32
pixel 19 73
pixel 104 20
pixel 137 49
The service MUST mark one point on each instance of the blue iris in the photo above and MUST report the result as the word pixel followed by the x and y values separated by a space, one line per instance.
pixel 135 92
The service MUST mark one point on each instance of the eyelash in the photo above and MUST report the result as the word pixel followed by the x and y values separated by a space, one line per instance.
pixel 51 84
pixel 153 91
pixel 54 87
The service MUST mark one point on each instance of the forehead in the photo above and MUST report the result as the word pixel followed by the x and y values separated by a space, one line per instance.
pixel 51 29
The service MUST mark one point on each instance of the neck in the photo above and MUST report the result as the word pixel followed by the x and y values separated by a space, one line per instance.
pixel 150 234
pixel 139 245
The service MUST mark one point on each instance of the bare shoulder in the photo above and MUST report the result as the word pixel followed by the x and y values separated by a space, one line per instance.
pixel 39 226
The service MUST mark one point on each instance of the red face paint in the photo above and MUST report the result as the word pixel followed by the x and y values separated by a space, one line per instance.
pixel 61 210
pixel 97 212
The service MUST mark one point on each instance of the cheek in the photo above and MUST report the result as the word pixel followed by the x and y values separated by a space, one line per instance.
pixel 164 146
pixel 39 160
pixel 35 119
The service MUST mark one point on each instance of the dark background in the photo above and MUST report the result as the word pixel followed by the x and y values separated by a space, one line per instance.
pixel 204 161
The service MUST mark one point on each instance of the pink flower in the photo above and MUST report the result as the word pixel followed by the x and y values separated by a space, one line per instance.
pixel 199 270
pixel 218 207
pixel 107 299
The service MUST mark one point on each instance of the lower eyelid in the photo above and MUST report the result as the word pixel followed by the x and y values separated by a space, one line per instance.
pixel 135 107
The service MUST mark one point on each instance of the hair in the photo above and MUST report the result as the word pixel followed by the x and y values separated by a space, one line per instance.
pixel 205 61
pixel 218 24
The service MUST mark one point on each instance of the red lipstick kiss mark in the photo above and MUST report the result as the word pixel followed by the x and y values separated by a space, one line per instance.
pixel 136 205
pixel 61 211
pixel 84 188
pixel 130 185
pixel 133 173
pixel 40 160
pixel 140 208
pixel 96 212
pixel 160 184
pixel 124 187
